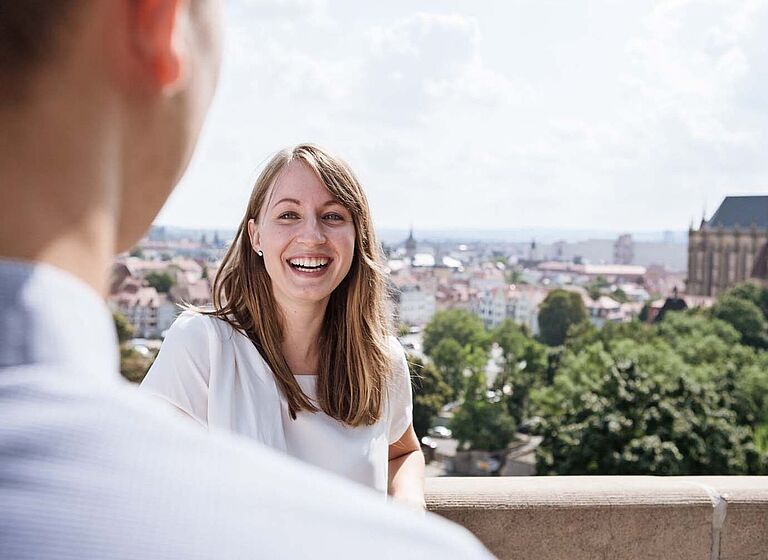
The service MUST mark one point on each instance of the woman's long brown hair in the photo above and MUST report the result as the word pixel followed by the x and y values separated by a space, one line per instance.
pixel 354 360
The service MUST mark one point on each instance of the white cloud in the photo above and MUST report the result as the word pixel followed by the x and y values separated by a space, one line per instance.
pixel 621 116
pixel 315 11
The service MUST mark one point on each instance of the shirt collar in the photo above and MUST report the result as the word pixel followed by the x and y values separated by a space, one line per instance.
pixel 49 317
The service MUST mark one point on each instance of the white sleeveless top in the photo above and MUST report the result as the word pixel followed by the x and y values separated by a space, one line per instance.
pixel 215 374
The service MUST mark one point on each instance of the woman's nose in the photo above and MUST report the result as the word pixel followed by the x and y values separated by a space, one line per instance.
pixel 312 232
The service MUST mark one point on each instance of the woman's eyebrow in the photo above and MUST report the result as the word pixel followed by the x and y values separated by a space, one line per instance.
pixel 292 200
pixel 330 202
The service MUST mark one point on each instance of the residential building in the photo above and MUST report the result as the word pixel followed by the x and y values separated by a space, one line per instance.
pixel 415 304
pixel 518 303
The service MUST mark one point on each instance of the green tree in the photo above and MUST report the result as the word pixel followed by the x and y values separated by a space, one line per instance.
pixel 634 422
pixel 449 357
pixel 620 295
pixel 134 365
pixel 430 394
pixel 123 327
pixel 523 366
pixel 595 287
pixel 514 276
pixel 634 398
pixel 161 281
pixel 755 293
pixel 483 421
pixel 558 312
pixel 463 327
pixel 644 311
pixel 745 316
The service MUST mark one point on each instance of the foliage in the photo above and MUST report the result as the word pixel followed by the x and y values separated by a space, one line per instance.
pixel 634 422
pixel 483 421
pixel 558 312
pixel 123 327
pixel 514 276
pixel 687 395
pixel 524 365
pixel 456 341
pixel 620 295
pixel 679 397
pixel 449 357
pixel 745 316
pixel 752 292
pixel 430 394
pixel 134 365
pixel 643 316
pixel 595 287
pixel 161 281
pixel 463 327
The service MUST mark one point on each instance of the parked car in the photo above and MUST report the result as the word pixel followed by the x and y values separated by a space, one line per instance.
pixel 440 432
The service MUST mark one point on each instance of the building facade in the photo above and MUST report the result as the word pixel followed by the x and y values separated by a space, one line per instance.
pixel 509 302
pixel 624 250
pixel 725 249
pixel 415 305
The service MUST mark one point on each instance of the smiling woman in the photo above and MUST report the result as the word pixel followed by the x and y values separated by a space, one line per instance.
pixel 297 351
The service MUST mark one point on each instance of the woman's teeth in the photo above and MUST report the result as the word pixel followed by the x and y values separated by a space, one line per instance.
pixel 309 263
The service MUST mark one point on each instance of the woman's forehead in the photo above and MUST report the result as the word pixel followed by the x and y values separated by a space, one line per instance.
pixel 299 183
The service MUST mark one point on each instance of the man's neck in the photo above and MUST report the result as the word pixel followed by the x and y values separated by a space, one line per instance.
pixel 57 183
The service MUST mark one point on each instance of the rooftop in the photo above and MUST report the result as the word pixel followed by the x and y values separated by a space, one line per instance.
pixel 741 211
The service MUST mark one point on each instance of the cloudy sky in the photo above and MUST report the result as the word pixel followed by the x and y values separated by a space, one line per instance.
pixel 615 114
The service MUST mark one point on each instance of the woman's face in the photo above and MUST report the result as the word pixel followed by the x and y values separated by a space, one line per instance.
pixel 307 237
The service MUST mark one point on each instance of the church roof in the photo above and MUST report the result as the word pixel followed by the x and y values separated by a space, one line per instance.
pixel 742 211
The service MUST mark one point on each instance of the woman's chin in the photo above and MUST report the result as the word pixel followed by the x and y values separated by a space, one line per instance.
pixel 307 296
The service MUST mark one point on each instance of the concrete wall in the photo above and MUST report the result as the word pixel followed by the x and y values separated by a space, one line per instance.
pixel 610 518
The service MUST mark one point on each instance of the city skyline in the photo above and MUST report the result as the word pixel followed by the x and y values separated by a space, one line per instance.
pixel 495 116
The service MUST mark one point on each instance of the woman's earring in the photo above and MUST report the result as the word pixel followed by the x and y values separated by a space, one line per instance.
pixel 260 253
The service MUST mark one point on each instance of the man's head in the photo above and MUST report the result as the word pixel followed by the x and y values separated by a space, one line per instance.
pixel 129 79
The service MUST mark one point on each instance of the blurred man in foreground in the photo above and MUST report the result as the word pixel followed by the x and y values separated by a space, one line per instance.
pixel 101 102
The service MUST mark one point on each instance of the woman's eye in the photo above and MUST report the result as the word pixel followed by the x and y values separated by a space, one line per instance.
pixel 334 217
pixel 287 216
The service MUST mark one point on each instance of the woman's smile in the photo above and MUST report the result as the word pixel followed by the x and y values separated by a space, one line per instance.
pixel 310 265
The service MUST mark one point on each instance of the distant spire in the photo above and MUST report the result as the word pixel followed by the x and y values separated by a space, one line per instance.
pixel 410 245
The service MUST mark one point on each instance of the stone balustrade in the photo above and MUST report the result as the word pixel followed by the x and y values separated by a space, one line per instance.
pixel 610 517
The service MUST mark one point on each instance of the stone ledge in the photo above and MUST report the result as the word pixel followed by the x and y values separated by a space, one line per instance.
pixel 610 517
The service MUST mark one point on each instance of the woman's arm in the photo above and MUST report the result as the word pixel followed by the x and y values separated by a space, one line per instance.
pixel 406 470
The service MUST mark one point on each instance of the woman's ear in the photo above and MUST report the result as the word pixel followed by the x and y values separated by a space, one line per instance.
pixel 253 235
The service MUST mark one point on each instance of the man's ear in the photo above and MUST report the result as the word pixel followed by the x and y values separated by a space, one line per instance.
pixel 156 45
pixel 253 235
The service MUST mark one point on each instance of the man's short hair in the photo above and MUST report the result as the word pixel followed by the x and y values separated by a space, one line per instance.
pixel 29 35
